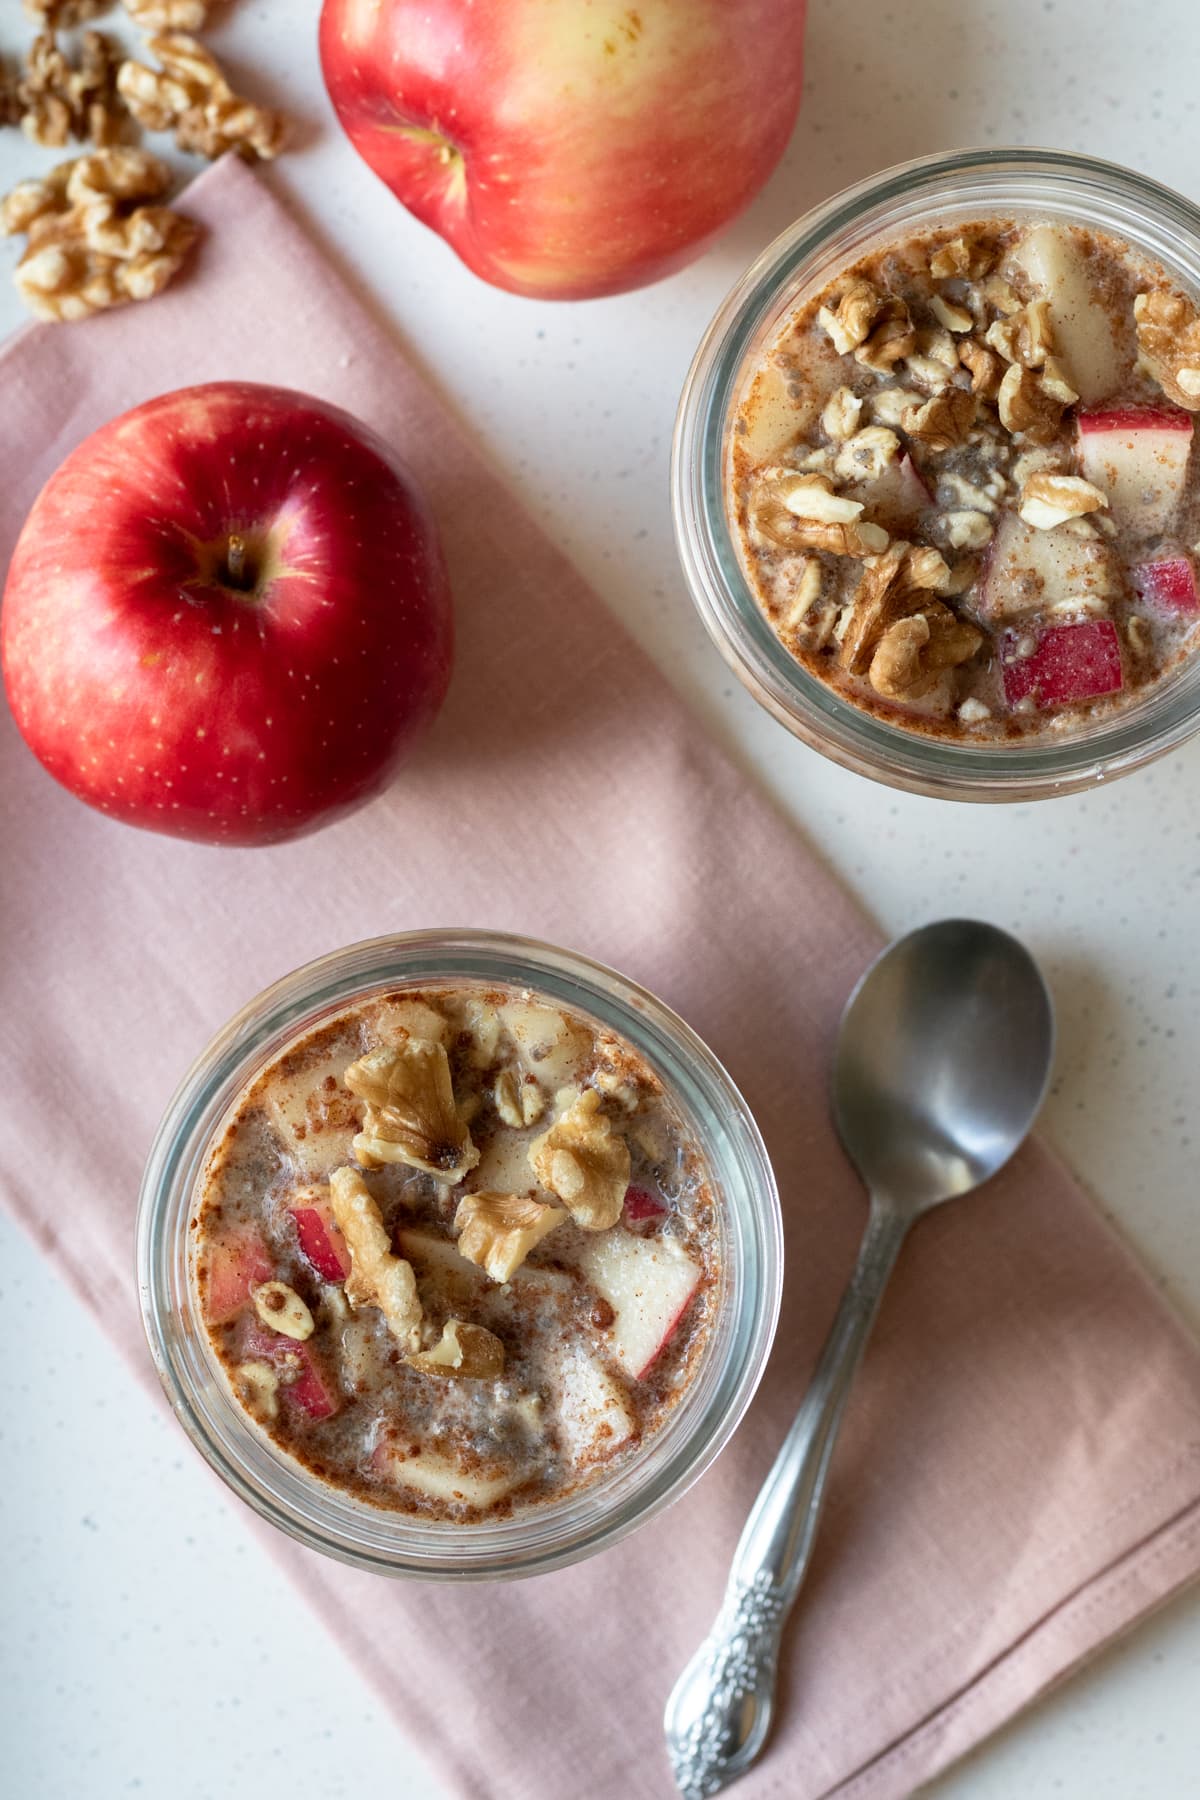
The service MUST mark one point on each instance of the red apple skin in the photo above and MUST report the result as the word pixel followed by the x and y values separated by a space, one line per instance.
pixel 568 148
pixel 166 697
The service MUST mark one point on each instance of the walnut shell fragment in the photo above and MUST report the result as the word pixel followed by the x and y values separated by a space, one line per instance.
pixel 497 1231
pixel 411 1115
pixel 464 1352
pixel 584 1162
pixel 377 1276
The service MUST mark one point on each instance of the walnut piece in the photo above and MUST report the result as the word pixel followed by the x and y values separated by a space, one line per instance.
pixel 914 653
pixel 189 95
pixel 92 243
pixel 464 1351
pixel 892 337
pixel 62 15
pixel 943 422
pixel 519 1103
pixel 1049 499
pixel 1026 405
pixel 259 1385
pixel 776 514
pixel 281 1309
pixel 851 319
pixel 985 367
pixel 584 1162
pixel 954 318
pixel 497 1231
pixel 839 418
pixel 59 101
pixel 168 15
pixel 1168 334
pixel 411 1115
pixel 377 1277
pixel 965 259
pixel 890 586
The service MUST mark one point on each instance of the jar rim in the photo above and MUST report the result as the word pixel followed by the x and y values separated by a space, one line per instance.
pixel 1156 221
pixel 551 1533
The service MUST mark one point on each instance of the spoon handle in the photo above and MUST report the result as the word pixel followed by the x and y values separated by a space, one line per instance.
pixel 719 1713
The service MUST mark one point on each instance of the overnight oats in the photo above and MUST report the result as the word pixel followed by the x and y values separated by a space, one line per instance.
pixel 462 1258
pixel 985 515
pixel 934 479
pixel 456 1252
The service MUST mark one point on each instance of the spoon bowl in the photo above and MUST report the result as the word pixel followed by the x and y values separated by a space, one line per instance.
pixel 942 1062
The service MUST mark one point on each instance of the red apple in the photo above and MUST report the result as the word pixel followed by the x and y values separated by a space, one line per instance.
pixel 1138 456
pixel 568 149
pixel 1069 663
pixel 227 616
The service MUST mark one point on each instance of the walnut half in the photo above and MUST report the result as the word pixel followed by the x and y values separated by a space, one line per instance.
pixel 411 1115
pixel 914 654
pixel 497 1231
pixel 584 1162
pixel 377 1277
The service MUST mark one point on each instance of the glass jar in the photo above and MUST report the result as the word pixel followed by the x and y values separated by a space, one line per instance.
pixel 550 1533
pixel 931 192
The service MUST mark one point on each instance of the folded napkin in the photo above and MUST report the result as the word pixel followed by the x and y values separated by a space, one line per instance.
pixel 1019 1476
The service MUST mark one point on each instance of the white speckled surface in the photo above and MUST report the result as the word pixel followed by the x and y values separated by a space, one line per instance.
pixel 148 1646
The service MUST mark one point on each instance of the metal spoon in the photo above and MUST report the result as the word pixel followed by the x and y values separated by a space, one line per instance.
pixel 941 1065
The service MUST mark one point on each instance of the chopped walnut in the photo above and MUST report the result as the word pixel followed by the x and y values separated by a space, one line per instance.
pixel 190 96
pixel 776 515
pixel 840 417
pixel 584 1162
pixel 866 455
pixel 377 1277
pixel 411 1115
pixel 168 15
pixel 892 337
pixel 985 367
pixel 1048 499
pixel 1135 632
pixel 890 404
pixel 1168 334
pixel 92 243
pixel 497 1231
pixel 943 422
pixel 962 258
pixel 890 586
pixel 11 104
pixel 915 652
pixel 518 1103
pixel 851 319
pixel 466 1352
pixel 281 1309
pixel 1026 337
pixel 966 529
pixel 60 101
pixel 49 117
pixel 805 591
pixel 1026 406
pixel 954 318
pixel 259 1386
pixel 62 15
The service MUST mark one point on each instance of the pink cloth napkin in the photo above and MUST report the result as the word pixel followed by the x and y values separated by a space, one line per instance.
pixel 1019 1477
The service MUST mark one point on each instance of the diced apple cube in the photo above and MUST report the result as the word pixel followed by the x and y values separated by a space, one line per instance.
pixel 551 1047
pixel 649 1283
pixel 594 1415
pixel 320 1240
pixel 1069 663
pixel 1168 586
pixel 1138 456
pixel 773 418
pixel 234 1264
pixel 316 1117
pixel 1027 570
pixel 439 1477
pixel 1083 335
pixel 303 1379
pixel 641 1204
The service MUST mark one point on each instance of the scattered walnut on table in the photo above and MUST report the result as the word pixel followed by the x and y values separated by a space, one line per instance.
pixel 93 241
pixel 189 95
pixel 60 100
pixel 62 15
pixel 168 15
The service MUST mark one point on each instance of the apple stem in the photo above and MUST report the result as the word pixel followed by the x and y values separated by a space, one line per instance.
pixel 235 560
